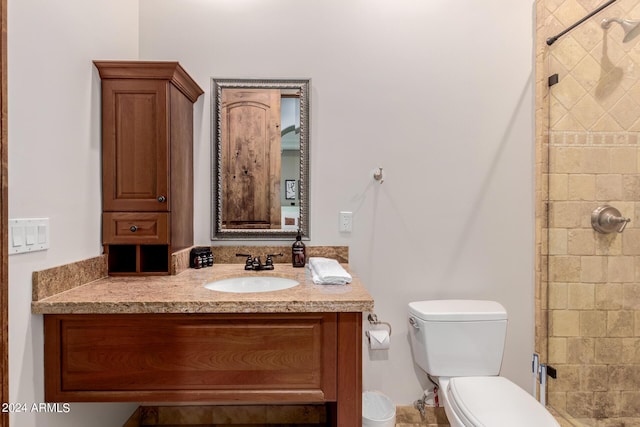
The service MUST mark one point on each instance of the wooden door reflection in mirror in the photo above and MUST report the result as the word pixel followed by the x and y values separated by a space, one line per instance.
pixel 250 126
pixel 260 142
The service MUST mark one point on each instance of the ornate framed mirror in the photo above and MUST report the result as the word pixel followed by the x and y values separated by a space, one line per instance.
pixel 260 146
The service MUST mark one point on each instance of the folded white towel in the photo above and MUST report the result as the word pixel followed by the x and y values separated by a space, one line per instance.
pixel 327 271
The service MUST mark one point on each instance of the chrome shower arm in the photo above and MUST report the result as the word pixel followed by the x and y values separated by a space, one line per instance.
pixel 552 40
pixel 606 22
pixel 631 28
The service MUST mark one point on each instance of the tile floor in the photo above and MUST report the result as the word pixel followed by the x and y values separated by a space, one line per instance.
pixel 263 416
pixel 286 416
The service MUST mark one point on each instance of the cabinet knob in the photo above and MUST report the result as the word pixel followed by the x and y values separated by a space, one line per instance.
pixel 162 199
pixel 133 228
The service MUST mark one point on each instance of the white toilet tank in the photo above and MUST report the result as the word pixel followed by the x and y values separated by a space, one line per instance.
pixel 458 338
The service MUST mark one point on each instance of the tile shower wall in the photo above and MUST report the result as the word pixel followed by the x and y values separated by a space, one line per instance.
pixel 589 283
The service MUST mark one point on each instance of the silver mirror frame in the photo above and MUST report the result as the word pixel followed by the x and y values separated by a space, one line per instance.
pixel 217 85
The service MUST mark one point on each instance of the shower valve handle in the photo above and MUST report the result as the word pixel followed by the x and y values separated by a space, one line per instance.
pixel 607 219
pixel 619 220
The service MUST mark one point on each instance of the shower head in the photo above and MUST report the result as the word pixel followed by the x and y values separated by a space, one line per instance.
pixel 631 28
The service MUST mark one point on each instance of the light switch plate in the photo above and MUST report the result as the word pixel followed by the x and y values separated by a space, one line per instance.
pixel 28 235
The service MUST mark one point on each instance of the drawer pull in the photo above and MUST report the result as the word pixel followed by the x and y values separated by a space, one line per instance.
pixel 133 228
pixel 162 199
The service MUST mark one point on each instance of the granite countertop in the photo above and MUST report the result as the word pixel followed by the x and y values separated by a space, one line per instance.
pixel 184 293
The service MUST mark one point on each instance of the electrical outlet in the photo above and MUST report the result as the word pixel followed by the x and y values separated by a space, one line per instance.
pixel 346 222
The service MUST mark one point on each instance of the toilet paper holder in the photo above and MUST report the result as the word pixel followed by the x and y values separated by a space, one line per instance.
pixel 373 319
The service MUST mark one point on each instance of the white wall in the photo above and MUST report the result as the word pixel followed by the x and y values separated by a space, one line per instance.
pixel 54 166
pixel 439 94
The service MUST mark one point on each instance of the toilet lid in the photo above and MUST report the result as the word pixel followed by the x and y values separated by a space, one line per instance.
pixel 496 402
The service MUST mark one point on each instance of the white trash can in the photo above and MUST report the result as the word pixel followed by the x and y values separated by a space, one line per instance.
pixel 377 410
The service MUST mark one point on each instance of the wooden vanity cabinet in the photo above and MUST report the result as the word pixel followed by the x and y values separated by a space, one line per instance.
pixel 272 358
pixel 147 163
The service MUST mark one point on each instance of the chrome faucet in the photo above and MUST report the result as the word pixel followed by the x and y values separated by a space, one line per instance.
pixel 255 264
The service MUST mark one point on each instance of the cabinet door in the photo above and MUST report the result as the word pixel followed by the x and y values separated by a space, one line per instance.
pixel 135 145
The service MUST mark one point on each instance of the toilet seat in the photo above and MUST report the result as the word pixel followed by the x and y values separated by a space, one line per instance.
pixel 495 402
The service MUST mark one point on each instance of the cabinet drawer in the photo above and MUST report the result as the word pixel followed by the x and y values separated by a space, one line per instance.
pixel 135 227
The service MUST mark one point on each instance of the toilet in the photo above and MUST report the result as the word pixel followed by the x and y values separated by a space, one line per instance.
pixel 460 344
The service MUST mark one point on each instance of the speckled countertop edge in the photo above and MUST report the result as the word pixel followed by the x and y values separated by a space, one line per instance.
pixel 185 293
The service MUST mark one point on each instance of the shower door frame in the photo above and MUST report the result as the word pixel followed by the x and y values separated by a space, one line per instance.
pixel 548 271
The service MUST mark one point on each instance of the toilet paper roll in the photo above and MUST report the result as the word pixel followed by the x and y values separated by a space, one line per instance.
pixel 379 340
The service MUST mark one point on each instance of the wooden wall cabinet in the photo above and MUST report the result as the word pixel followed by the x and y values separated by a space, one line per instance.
pixel 147 163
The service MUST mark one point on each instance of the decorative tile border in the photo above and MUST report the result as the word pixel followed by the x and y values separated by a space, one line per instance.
pixel 594 139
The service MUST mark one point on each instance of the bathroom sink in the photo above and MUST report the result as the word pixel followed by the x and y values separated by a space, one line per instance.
pixel 246 284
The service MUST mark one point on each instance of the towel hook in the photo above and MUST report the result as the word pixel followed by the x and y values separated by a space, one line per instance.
pixel 377 175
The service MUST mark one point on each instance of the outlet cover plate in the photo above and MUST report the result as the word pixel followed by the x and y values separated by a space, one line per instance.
pixel 346 222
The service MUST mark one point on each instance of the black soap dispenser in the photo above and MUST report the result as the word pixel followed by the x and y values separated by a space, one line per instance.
pixel 298 252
